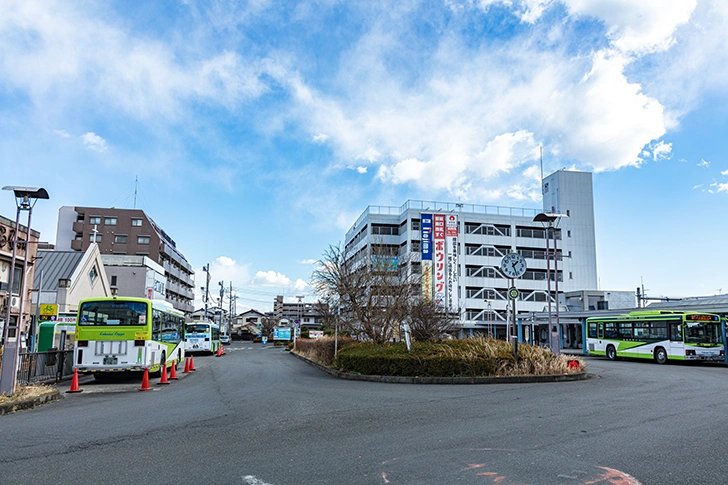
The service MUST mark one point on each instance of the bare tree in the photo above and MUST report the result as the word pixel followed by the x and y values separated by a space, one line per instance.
pixel 372 290
pixel 430 322
pixel 267 324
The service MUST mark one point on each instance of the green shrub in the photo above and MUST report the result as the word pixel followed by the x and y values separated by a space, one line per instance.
pixel 472 357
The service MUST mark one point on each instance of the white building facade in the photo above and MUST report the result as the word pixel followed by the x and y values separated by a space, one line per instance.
pixel 467 244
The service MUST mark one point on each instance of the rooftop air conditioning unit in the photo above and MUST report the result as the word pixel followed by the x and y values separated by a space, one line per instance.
pixel 14 303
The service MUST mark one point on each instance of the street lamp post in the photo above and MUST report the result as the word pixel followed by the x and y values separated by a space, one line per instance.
pixel 550 222
pixel 25 199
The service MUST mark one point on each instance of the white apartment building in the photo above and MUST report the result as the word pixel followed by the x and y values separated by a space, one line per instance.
pixel 474 239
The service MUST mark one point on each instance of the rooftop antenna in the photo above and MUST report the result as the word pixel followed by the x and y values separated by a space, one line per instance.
pixel 136 184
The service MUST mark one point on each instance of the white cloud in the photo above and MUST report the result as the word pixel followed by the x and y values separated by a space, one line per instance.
pixel 716 188
pixel 704 163
pixel 662 151
pixel 61 133
pixel 308 261
pixel 271 278
pixel 300 285
pixel 320 138
pixel 639 25
pixel 94 142
pixel 724 172
pixel 360 169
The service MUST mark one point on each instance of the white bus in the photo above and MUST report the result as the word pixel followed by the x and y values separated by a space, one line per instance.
pixel 202 337
pixel 658 335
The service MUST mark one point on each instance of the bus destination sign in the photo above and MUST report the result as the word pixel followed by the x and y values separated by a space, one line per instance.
pixel 702 318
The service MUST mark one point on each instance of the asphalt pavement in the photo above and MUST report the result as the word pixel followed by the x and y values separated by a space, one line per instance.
pixel 260 416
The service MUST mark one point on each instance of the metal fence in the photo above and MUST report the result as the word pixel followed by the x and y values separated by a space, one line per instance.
pixel 44 367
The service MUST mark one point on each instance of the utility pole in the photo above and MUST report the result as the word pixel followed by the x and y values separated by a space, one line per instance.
pixel 222 294
pixel 230 312
pixel 206 288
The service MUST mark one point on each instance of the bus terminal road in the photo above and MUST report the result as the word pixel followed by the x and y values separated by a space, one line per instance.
pixel 260 416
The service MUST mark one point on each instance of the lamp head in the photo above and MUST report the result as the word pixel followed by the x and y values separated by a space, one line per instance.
pixel 28 192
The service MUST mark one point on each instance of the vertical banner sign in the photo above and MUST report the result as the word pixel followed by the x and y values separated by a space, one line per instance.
pixel 426 248
pixel 451 235
pixel 438 263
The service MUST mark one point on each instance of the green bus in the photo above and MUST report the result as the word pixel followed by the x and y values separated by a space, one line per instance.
pixel 122 334
pixel 659 335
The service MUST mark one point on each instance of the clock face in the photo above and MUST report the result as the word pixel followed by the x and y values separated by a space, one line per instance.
pixel 513 265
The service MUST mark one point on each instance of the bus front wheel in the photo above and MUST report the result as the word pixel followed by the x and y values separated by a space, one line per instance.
pixel 611 352
pixel 660 355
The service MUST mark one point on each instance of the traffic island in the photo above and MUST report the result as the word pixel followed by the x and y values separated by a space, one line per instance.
pixel 519 379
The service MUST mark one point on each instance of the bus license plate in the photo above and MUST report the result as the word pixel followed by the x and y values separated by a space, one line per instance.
pixel 110 360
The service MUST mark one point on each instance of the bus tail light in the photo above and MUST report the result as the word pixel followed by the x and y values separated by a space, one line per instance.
pixel 139 343
pixel 83 343
pixel 689 352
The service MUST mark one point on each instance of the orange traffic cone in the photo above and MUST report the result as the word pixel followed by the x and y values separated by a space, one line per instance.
pixel 163 380
pixel 74 383
pixel 192 364
pixel 173 372
pixel 145 381
pixel 187 366
pixel 223 349
pixel 219 351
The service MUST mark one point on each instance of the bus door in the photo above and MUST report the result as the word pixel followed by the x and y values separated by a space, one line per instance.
pixel 677 346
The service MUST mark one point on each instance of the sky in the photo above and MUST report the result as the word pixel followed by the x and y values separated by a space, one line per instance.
pixel 255 133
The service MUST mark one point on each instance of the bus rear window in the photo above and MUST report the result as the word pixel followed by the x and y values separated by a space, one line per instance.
pixel 198 328
pixel 113 313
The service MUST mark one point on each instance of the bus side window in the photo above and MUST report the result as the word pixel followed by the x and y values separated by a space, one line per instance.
pixel 675 332
pixel 156 325
pixel 592 330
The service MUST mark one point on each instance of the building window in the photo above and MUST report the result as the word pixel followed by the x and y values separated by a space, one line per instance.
pixel 120 238
pixel 94 220
pixel 95 237
pixel 143 239
pixel 92 275
pixel 568 233
pixel 568 213
pixel 136 222
pixel 110 221
pixel 113 280
pixel 569 253
pixel 571 275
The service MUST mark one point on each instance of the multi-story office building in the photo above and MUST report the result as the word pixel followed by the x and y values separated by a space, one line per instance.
pixel 128 232
pixel 469 241
pixel 301 313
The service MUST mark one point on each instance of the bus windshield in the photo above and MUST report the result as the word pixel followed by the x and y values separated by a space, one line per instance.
pixel 703 334
pixel 118 313
pixel 198 328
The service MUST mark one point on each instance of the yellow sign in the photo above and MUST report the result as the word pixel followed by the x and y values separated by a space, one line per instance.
pixel 48 309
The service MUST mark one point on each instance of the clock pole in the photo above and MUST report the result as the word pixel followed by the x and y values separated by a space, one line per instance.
pixel 514 328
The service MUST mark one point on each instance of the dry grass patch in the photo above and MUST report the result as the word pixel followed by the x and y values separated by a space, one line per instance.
pixel 26 392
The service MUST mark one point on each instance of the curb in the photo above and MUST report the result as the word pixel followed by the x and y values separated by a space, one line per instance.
pixel 30 402
pixel 579 376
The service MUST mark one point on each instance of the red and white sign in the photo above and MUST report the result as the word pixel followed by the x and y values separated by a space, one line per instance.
pixel 451 233
pixel 438 261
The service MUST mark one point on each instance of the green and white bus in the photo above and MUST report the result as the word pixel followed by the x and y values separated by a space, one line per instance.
pixel 658 335
pixel 202 337
pixel 121 334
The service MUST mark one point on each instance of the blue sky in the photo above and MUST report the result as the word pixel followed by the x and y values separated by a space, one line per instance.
pixel 260 130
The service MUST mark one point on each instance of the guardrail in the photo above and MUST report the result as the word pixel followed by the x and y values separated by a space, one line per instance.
pixel 44 367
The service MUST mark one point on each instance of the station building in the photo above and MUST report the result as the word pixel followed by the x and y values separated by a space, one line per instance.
pixel 466 251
